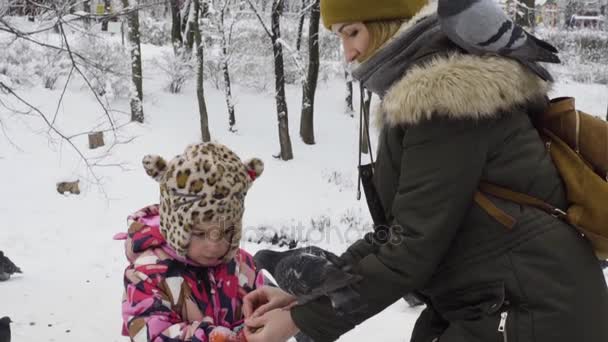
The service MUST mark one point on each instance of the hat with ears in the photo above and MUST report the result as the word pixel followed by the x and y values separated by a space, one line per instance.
pixel 205 184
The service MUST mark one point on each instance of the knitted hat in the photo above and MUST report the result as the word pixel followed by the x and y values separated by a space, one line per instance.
pixel 207 183
pixel 348 11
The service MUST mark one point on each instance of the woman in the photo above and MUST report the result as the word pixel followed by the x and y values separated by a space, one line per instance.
pixel 450 120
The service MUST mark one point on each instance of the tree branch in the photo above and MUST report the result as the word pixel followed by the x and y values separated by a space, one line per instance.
pixel 257 13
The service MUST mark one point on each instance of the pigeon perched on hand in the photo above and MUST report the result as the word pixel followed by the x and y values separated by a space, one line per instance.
pixel 7 267
pixel 311 272
pixel 5 329
pixel 482 27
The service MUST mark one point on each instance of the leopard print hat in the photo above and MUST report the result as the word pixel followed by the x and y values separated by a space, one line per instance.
pixel 207 183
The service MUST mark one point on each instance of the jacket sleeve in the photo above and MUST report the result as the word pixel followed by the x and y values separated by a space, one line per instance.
pixel 441 165
pixel 149 312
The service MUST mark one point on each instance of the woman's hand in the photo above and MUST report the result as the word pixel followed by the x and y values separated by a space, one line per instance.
pixel 273 326
pixel 264 299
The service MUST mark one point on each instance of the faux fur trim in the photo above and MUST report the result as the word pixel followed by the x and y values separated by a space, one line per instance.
pixel 459 86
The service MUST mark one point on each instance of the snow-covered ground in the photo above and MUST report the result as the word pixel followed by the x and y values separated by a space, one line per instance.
pixel 72 283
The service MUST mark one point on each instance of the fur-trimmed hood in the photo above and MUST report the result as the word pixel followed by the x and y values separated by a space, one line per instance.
pixel 460 86
pixel 439 79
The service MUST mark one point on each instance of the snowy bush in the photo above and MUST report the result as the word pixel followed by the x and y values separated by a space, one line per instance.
pixel 107 66
pixel 155 32
pixel 54 64
pixel 19 62
pixel 321 223
pixel 341 180
pixel 584 54
pixel 177 67
pixel 269 235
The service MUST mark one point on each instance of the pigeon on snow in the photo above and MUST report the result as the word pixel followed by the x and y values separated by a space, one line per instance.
pixel 7 267
pixel 5 329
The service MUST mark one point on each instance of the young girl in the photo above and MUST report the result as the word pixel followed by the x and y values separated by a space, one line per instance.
pixel 187 275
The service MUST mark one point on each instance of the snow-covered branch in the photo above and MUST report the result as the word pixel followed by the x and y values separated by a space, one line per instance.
pixel 257 14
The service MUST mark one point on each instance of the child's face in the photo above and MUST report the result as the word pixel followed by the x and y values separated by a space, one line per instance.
pixel 210 242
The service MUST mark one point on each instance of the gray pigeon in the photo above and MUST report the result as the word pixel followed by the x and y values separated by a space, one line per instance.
pixel 7 267
pixel 482 27
pixel 5 329
pixel 311 272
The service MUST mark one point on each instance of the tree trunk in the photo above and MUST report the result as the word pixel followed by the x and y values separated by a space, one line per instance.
pixel 86 7
pixel 366 101
pixel 137 110
pixel 188 33
pixel 525 14
pixel 227 83
pixel 107 6
pixel 310 86
pixel 350 110
pixel 200 90
pixel 301 25
pixel 176 22
pixel 279 71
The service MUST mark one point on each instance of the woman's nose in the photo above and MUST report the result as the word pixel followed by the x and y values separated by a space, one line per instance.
pixel 350 53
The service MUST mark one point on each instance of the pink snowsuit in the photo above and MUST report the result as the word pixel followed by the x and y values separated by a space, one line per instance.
pixel 168 298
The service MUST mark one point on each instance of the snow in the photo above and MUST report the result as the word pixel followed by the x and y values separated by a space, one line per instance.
pixel 72 283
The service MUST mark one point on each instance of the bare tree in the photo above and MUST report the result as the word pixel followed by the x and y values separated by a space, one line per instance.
pixel 107 9
pixel 200 90
pixel 86 7
pixel 310 85
pixel 225 29
pixel 277 47
pixel 188 29
pixel 301 24
pixel 137 109
pixel 176 24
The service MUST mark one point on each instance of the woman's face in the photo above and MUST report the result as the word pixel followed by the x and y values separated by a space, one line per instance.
pixel 355 39
pixel 210 243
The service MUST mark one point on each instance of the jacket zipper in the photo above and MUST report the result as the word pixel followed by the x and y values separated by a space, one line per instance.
pixel 502 326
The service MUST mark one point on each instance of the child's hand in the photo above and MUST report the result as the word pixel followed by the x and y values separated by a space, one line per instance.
pixel 223 334
pixel 265 299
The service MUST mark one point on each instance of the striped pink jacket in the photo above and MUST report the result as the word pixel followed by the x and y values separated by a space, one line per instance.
pixel 168 299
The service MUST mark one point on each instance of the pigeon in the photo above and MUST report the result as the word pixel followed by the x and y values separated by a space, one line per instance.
pixel 311 272
pixel 5 329
pixel 7 267
pixel 482 27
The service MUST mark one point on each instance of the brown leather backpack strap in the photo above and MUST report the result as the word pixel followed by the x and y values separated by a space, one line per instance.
pixel 521 198
pixel 499 215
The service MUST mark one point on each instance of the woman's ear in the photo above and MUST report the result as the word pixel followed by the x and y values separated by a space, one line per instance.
pixel 155 166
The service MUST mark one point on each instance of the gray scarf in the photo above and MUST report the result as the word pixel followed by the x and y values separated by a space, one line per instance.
pixel 414 46
pixel 389 64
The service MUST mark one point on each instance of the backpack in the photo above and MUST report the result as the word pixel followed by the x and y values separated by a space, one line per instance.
pixel 578 144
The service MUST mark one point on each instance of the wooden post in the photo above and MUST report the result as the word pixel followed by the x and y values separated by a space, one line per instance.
pixel 96 140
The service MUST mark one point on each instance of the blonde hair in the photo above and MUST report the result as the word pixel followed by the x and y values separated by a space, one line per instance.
pixel 379 33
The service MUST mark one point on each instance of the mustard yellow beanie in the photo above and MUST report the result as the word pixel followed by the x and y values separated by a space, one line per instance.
pixel 346 11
